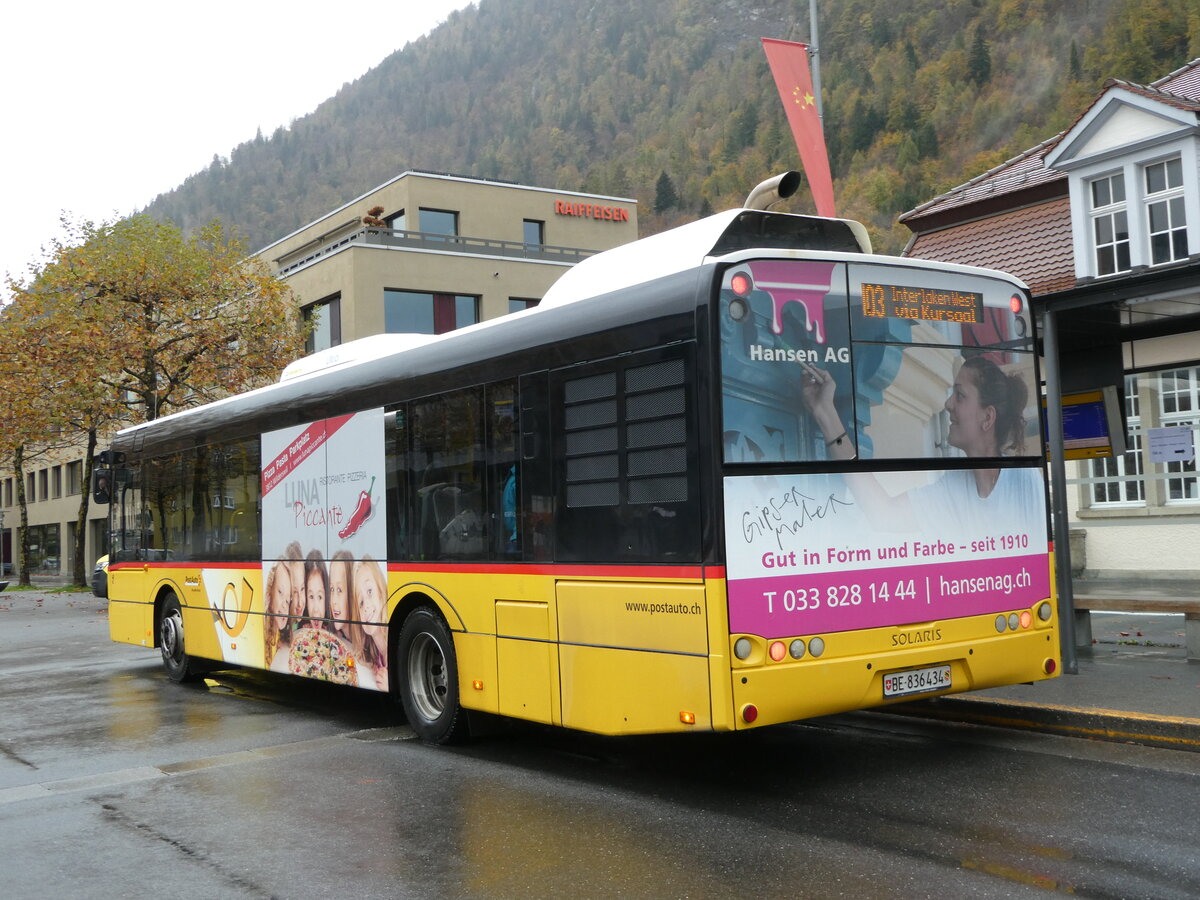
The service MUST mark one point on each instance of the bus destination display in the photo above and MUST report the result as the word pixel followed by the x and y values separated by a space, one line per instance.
pixel 924 303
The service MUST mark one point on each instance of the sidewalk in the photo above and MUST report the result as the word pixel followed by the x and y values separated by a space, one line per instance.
pixel 1134 684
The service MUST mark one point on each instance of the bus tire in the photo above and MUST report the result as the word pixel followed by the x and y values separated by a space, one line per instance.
pixel 428 680
pixel 180 667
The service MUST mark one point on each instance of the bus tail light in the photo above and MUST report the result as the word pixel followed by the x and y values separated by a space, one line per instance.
pixel 778 650
pixel 1045 611
pixel 816 646
pixel 741 284
pixel 1026 618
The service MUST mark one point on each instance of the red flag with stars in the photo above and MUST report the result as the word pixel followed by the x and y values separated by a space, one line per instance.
pixel 789 65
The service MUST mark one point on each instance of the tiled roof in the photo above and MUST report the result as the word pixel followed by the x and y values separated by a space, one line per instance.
pixel 1032 243
pixel 1183 82
pixel 1019 173
pixel 1188 104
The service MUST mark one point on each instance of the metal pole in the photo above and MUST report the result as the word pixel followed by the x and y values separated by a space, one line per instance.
pixel 1058 497
pixel 813 56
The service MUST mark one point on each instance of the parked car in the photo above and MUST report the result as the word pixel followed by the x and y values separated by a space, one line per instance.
pixel 100 577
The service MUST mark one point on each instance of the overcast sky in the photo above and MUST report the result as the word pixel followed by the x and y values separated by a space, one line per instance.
pixel 107 105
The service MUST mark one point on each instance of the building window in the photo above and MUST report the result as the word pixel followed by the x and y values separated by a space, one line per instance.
pixel 1118 479
pixel 74 477
pixel 56 482
pixel 535 232
pixel 31 488
pixel 516 304
pixel 1168 398
pixel 439 221
pixel 326 318
pixel 43 549
pixel 8 492
pixel 415 312
pixel 396 221
pixel 1166 216
pixel 1110 224
pixel 1179 407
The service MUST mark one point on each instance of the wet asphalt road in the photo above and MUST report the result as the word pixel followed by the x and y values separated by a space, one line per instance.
pixel 115 782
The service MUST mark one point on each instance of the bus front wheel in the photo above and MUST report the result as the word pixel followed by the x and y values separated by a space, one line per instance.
pixel 429 678
pixel 180 667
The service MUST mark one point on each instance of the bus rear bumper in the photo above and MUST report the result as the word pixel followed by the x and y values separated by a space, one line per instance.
pixel 787 691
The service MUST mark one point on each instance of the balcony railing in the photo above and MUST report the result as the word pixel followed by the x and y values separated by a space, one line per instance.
pixel 387 238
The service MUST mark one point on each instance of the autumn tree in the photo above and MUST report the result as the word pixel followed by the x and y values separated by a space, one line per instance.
pixel 132 320
pixel 26 416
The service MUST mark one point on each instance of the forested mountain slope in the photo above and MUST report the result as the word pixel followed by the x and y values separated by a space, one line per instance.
pixel 607 95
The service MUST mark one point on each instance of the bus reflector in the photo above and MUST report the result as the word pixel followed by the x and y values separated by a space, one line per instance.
pixel 778 651
pixel 749 713
pixel 477 684
pixel 687 718
pixel 1049 666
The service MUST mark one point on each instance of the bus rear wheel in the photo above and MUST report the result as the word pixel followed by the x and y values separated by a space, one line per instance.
pixel 180 667
pixel 429 678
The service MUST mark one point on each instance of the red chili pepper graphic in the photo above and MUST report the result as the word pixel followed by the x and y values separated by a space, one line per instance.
pixel 361 512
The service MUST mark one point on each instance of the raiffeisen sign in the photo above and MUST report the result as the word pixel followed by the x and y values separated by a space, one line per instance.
pixel 591 211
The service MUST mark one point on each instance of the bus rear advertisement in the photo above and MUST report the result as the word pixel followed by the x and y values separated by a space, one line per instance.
pixel 739 473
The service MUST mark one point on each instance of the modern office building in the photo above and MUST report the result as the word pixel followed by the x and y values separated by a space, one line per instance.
pixel 428 253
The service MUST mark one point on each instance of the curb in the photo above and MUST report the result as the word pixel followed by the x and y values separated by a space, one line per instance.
pixel 1170 732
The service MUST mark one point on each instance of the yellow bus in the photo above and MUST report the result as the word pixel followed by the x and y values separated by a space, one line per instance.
pixel 738 473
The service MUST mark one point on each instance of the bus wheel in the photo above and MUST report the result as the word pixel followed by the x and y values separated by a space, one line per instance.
pixel 180 667
pixel 429 678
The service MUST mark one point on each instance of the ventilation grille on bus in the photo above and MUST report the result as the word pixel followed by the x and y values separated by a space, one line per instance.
pixel 627 446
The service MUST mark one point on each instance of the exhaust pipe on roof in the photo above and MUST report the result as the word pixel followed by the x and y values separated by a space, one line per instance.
pixel 773 190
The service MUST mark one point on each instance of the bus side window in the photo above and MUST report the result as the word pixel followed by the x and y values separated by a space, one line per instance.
pixel 503 472
pixel 397 464
pixel 448 455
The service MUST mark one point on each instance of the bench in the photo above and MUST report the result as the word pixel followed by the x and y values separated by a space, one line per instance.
pixel 1190 609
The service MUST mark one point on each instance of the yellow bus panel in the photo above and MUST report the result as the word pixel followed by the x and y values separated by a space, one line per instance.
pixel 669 618
pixel 131 623
pixel 612 691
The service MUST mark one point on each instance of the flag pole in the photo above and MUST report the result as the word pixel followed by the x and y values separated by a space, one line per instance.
pixel 813 50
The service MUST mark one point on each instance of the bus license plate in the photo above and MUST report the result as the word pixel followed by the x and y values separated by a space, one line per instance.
pixel 916 681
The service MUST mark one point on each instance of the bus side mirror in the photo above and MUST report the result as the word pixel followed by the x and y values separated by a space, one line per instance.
pixel 102 481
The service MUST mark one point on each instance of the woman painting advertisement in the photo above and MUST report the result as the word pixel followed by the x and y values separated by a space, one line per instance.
pixel 986 412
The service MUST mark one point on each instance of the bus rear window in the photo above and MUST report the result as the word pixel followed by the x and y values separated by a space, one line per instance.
pixel 824 361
